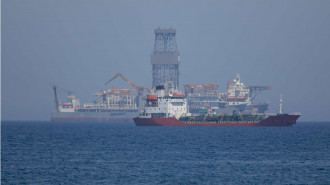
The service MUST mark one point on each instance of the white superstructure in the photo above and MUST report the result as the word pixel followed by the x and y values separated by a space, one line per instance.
pixel 165 104
pixel 71 104
pixel 238 93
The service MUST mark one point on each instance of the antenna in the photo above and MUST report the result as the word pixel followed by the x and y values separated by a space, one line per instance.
pixel 281 103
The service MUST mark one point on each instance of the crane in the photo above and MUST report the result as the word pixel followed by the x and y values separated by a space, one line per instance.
pixel 255 90
pixel 57 104
pixel 130 82
pixel 139 89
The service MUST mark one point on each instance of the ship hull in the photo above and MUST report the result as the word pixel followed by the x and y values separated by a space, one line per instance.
pixel 276 120
pixel 91 117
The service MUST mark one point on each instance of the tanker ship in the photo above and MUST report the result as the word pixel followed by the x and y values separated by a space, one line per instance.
pixel 170 109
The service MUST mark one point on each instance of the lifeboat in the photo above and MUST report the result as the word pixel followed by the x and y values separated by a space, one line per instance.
pixel 178 95
pixel 152 98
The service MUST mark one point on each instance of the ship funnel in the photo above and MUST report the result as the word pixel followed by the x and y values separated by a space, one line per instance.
pixel 160 90
pixel 159 87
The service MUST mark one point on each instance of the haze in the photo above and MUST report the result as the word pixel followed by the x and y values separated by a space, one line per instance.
pixel 79 44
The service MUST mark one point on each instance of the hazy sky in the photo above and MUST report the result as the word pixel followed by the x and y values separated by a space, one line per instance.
pixel 79 44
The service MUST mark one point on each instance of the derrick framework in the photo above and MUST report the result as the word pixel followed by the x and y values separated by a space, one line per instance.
pixel 165 59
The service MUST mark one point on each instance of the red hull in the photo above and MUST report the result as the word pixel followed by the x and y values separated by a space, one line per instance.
pixel 276 120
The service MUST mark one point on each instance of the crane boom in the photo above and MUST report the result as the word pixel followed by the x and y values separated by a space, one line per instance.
pixel 106 83
pixel 255 90
pixel 130 82
pixel 56 100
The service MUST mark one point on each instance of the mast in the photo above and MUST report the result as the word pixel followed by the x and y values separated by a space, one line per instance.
pixel 56 100
pixel 281 104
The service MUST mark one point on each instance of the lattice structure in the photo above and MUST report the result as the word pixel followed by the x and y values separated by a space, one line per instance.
pixel 117 99
pixel 165 59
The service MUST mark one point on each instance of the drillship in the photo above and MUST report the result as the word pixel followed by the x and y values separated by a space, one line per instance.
pixel 169 108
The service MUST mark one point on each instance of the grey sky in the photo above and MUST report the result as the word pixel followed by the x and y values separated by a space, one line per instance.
pixel 79 44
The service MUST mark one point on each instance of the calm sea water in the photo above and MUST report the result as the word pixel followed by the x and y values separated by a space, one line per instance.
pixel 103 153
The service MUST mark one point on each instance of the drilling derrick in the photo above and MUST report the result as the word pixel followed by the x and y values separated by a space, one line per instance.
pixel 165 59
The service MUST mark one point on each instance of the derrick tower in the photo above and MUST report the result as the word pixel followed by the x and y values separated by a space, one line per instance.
pixel 165 59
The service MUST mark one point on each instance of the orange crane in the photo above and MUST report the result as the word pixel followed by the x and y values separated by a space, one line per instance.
pixel 139 88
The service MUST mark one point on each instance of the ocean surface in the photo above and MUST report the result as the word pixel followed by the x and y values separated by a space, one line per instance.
pixel 105 153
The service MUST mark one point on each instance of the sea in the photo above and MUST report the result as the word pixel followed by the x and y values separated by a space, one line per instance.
pixel 121 153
